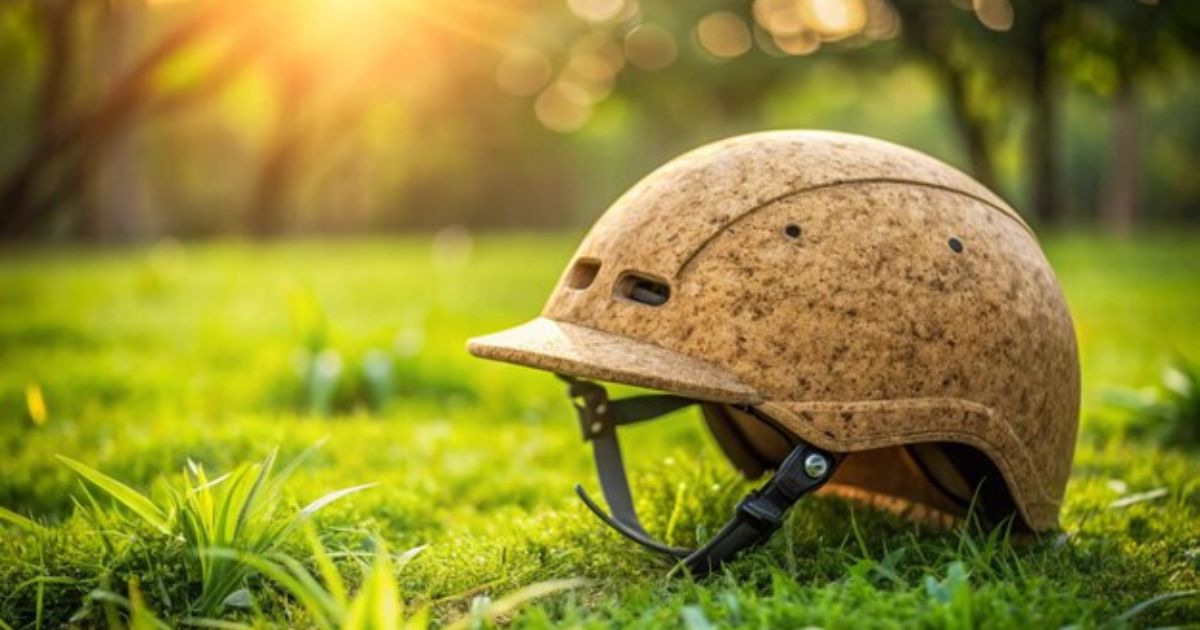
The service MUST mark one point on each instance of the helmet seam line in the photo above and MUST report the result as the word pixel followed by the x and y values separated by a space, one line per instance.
pixel 1007 212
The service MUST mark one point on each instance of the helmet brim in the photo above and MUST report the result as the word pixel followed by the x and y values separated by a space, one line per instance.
pixel 576 350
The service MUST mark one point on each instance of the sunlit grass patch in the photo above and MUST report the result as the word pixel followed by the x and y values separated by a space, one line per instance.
pixel 475 462
pixel 239 510
pixel 243 510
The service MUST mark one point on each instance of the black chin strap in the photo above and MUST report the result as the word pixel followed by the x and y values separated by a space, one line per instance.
pixel 758 515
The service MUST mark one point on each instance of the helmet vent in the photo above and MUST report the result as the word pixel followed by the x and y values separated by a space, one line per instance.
pixel 642 289
pixel 792 231
pixel 583 273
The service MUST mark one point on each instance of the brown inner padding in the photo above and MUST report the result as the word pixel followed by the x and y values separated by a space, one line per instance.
pixel 929 482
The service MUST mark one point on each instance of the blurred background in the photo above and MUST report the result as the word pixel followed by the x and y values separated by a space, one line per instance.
pixel 134 120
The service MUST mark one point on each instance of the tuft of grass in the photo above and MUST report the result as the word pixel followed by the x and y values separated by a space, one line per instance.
pixel 331 373
pixel 239 510
pixel 1170 411
pixel 377 604
pixel 329 605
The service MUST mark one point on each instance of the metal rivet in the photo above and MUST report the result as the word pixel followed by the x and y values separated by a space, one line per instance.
pixel 815 466
pixel 596 428
pixel 792 230
pixel 956 245
pixel 602 408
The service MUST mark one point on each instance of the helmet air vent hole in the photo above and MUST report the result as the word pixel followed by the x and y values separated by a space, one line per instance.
pixel 583 273
pixel 792 231
pixel 956 245
pixel 642 289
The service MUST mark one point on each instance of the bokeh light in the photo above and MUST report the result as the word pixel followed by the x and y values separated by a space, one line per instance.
pixel 723 34
pixel 882 20
pixel 651 47
pixel 779 17
pixel 563 107
pixel 994 14
pixel 604 53
pixel 596 10
pixel 834 19
pixel 797 27
pixel 523 71
pixel 802 43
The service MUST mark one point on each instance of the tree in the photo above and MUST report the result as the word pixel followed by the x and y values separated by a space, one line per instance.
pixel 934 34
pixel 1126 43
pixel 74 130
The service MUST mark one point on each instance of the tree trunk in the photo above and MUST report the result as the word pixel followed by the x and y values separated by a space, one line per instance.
pixel 21 185
pixel 971 130
pixel 925 31
pixel 268 201
pixel 113 207
pixel 1122 187
pixel 69 139
pixel 1043 130
pixel 281 156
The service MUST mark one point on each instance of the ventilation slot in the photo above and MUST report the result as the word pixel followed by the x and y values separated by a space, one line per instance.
pixel 643 290
pixel 583 273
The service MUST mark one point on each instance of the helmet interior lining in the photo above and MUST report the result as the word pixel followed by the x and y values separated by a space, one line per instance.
pixel 938 481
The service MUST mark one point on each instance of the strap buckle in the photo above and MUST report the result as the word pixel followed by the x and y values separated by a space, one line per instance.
pixel 767 506
pixel 761 512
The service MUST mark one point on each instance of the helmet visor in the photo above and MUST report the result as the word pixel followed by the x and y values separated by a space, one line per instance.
pixel 575 350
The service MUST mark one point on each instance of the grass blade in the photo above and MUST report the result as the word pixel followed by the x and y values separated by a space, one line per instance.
pixel 130 498
pixel 13 518
pixel 140 615
pixel 377 603
pixel 229 519
pixel 329 573
pixel 40 606
pixel 260 481
pixel 512 601
pixel 284 578
pixel 208 622
pixel 209 484
pixel 94 514
pixel 1154 601
pixel 109 601
pixel 1140 497
pixel 315 506
pixel 42 579
pixel 310 584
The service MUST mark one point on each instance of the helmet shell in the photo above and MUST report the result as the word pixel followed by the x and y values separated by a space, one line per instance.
pixel 861 294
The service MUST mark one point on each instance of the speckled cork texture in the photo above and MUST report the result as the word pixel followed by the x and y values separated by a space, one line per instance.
pixel 862 294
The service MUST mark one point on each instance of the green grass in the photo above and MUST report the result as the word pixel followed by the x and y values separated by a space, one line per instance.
pixel 150 357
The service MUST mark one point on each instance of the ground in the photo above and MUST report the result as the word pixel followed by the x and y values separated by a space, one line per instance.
pixel 218 353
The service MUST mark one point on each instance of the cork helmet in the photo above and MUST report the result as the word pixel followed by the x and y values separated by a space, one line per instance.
pixel 848 313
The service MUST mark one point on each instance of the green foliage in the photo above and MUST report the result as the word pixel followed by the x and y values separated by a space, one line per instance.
pixel 238 510
pixel 447 143
pixel 1170 412
pixel 334 374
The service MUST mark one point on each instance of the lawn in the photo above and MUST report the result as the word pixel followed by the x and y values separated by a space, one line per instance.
pixel 151 357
